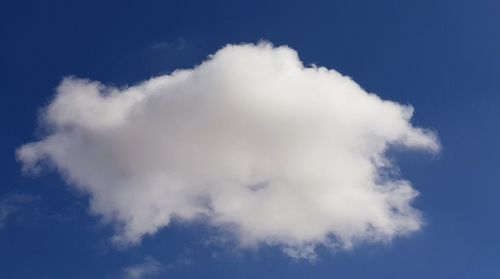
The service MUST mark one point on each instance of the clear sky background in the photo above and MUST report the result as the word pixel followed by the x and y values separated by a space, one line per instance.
pixel 442 57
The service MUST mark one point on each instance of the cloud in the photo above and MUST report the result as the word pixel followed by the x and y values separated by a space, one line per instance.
pixel 10 204
pixel 251 141
pixel 149 268
pixel 177 45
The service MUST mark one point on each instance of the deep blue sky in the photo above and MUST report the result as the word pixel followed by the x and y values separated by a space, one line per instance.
pixel 443 57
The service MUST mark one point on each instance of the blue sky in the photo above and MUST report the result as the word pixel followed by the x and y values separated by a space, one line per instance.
pixel 439 56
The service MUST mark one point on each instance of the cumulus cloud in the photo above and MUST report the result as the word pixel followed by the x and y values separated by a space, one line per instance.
pixel 149 268
pixel 251 141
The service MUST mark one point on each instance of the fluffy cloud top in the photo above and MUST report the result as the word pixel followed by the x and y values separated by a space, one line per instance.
pixel 251 140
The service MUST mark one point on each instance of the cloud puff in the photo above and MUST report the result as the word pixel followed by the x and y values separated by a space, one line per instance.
pixel 149 268
pixel 251 140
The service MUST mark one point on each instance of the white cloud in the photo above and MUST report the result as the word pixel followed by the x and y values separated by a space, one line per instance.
pixel 149 268
pixel 250 140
